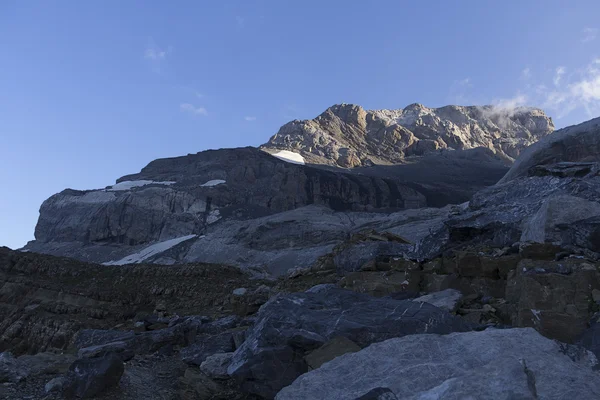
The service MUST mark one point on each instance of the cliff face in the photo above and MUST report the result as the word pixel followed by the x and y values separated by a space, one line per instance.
pixel 349 136
pixel 172 201
pixel 162 213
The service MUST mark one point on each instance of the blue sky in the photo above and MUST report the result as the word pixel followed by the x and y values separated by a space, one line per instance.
pixel 93 90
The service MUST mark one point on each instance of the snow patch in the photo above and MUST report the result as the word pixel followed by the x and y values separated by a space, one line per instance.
pixel 214 182
pixel 150 251
pixel 289 156
pixel 128 185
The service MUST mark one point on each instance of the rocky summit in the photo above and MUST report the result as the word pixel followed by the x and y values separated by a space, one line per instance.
pixel 344 260
pixel 348 136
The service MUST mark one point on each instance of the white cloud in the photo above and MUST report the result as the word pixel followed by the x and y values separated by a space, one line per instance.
pixel 560 71
pixel 526 73
pixel 510 104
pixel 464 82
pixel 589 34
pixel 190 108
pixel 581 91
pixel 156 56
pixel 250 118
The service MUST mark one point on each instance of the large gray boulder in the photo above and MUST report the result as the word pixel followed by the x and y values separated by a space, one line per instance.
pixel 88 377
pixel 290 326
pixel 492 364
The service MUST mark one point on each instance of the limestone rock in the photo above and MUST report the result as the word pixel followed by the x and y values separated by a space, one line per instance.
pixel 493 364
pixel 553 296
pixel 215 366
pixel 335 347
pixel 205 346
pixel 10 370
pixel 446 299
pixel 290 326
pixel 88 377
pixel 55 385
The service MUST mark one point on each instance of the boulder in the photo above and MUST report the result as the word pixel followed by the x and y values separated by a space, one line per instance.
pixel 88 377
pixel 55 385
pixel 379 284
pixel 499 364
pixel 15 369
pixel 378 394
pixel 555 297
pixel 215 366
pixel 556 221
pixel 194 385
pixel 448 299
pixel 122 349
pixel 333 348
pixel 288 327
pixel 95 337
pixel 206 345
pixel 10 369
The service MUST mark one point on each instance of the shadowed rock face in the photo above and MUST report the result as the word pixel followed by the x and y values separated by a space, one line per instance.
pixel 172 200
pixel 348 136
pixel 550 195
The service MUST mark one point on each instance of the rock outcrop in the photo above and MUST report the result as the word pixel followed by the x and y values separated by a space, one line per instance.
pixel 493 364
pixel 289 327
pixel 549 196
pixel 45 301
pixel 348 136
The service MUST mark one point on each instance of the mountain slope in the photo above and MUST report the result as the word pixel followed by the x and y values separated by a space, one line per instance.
pixel 348 136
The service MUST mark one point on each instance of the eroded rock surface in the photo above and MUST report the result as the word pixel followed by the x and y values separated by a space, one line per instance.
pixel 290 326
pixel 493 364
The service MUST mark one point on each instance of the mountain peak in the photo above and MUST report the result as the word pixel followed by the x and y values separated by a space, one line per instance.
pixel 347 135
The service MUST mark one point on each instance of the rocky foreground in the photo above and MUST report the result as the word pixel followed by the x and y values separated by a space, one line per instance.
pixel 497 298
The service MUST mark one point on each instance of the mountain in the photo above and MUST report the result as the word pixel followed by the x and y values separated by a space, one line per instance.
pixel 348 136
pixel 224 205
pixel 355 288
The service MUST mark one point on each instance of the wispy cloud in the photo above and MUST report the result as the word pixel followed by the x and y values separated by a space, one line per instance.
pixel 518 100
pixel 155 55
pixel 526 73
pixel 558 74
pixel 190 108
pixel 464 82
pixel 250 118
pixel 589 34
pixel 581 91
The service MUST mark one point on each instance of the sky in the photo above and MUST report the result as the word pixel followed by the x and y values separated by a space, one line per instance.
pixel 94 90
